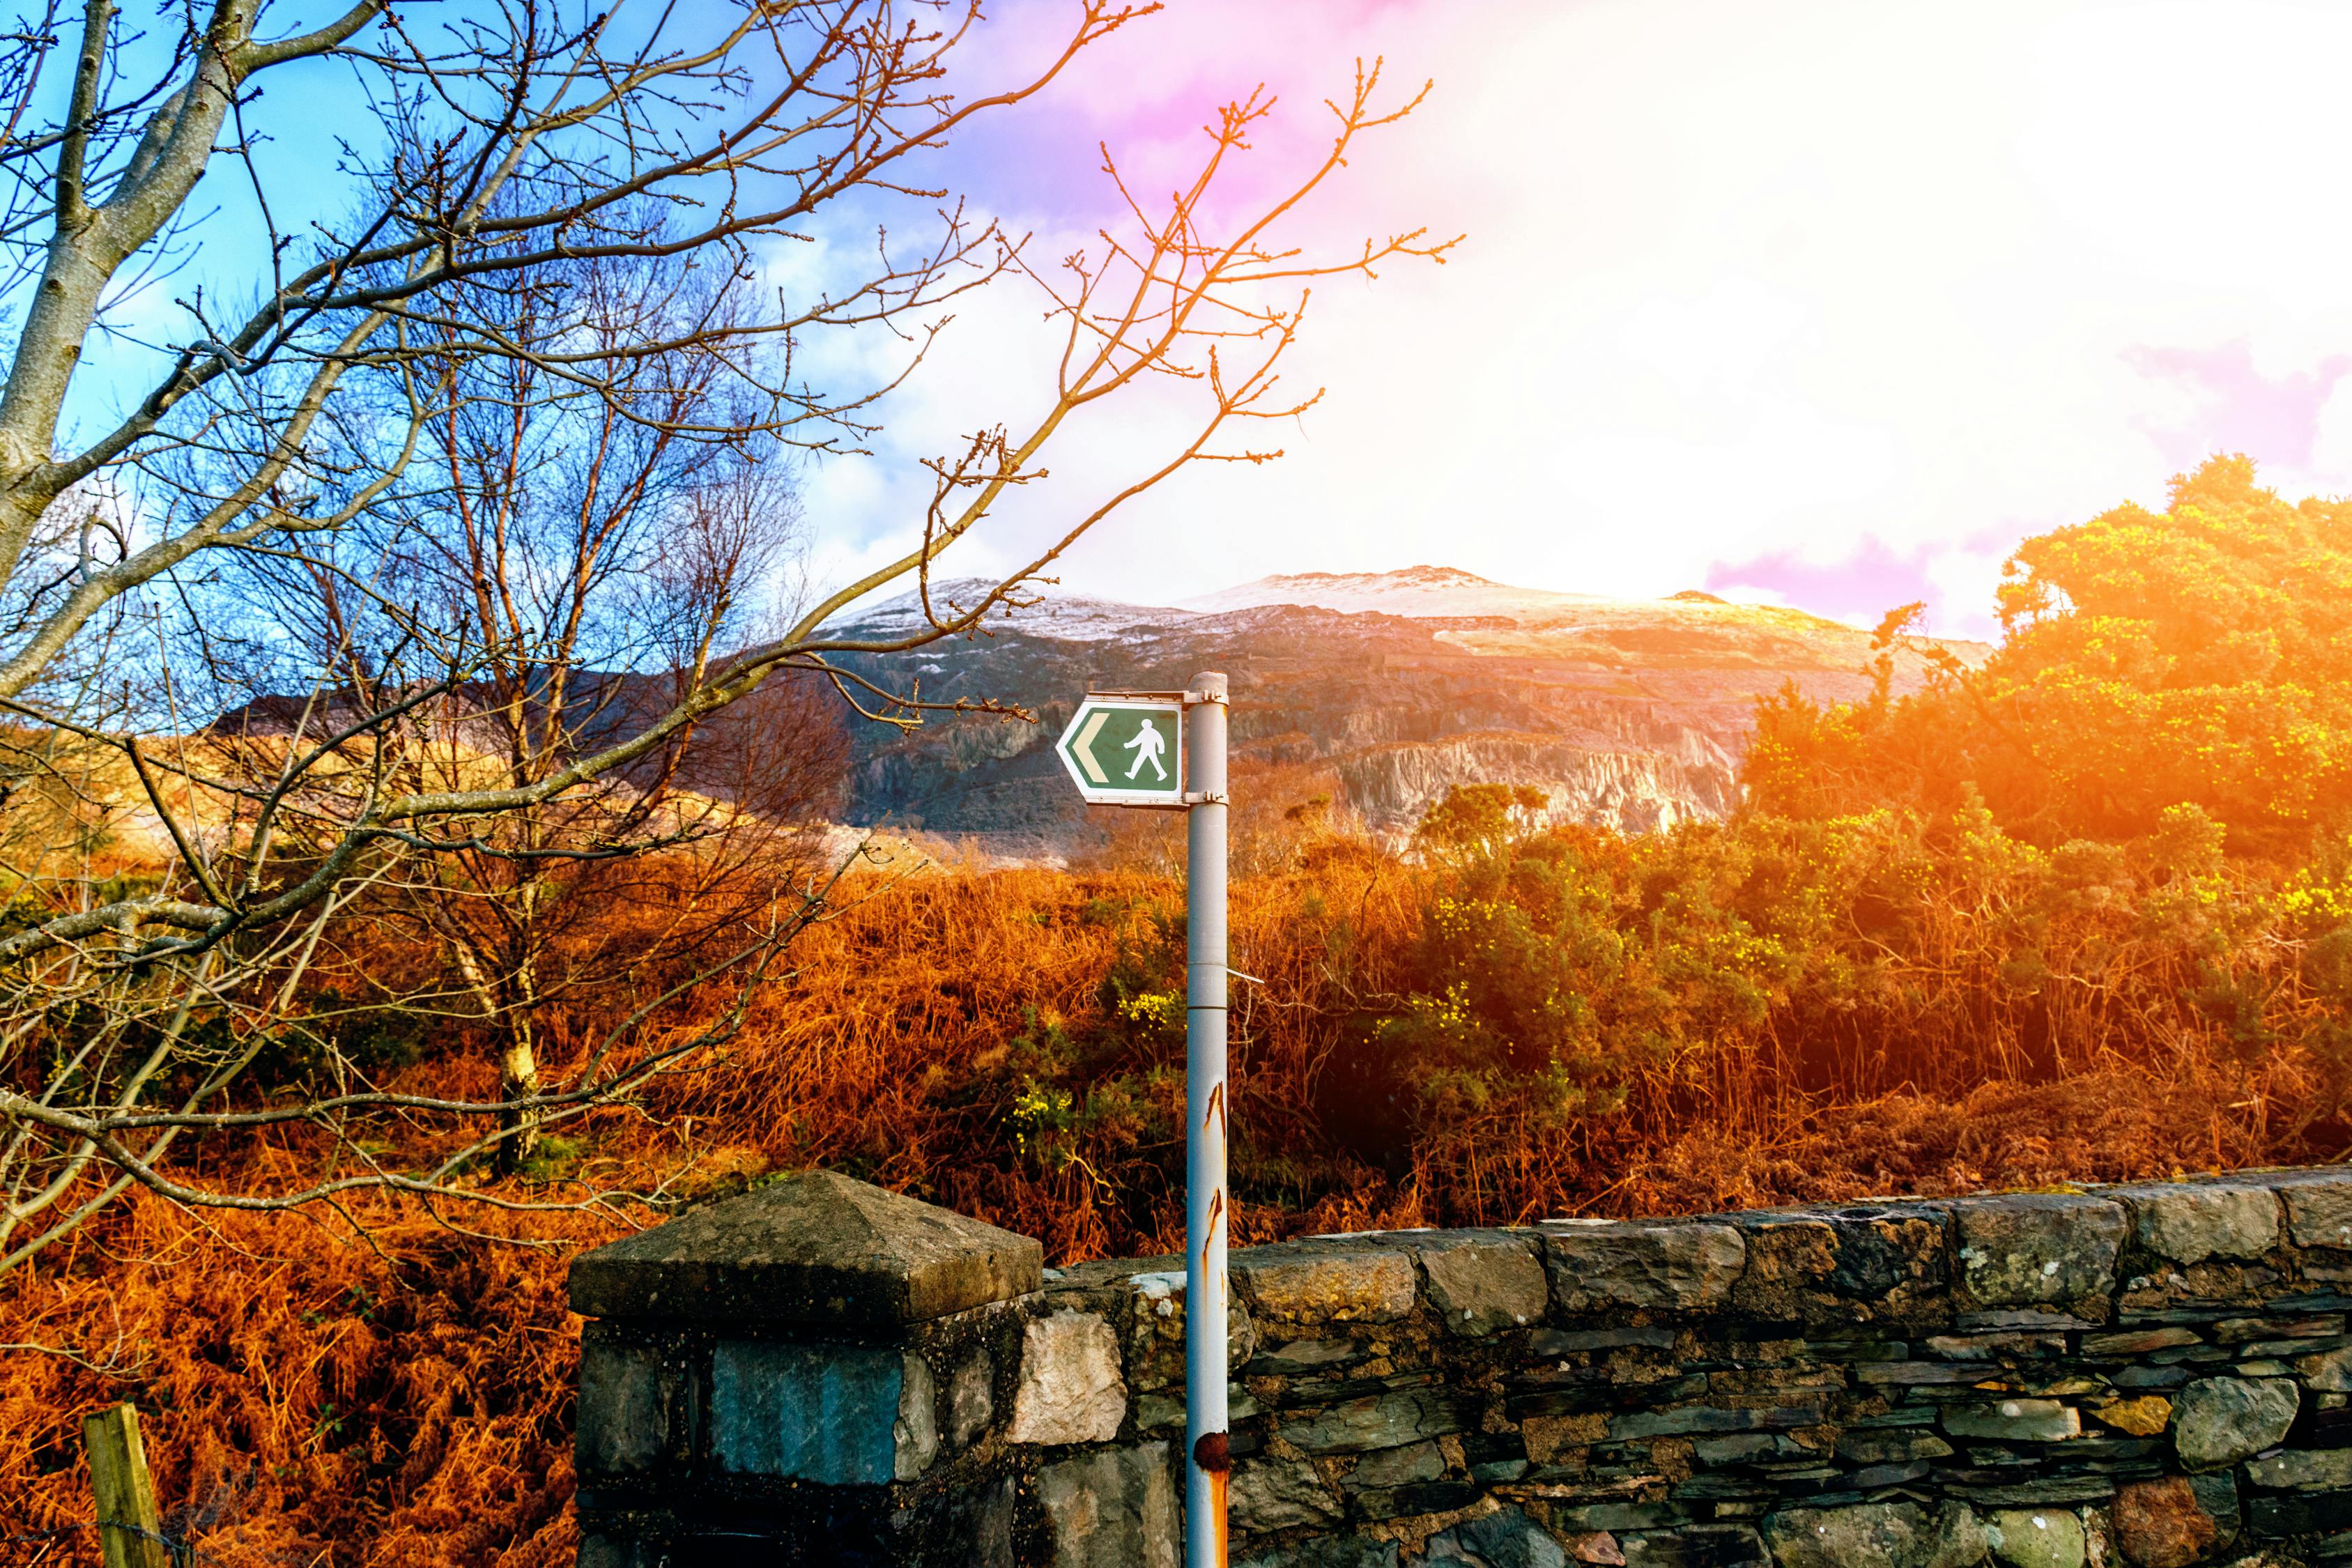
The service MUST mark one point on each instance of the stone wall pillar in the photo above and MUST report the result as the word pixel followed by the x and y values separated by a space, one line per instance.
pixel 811 1373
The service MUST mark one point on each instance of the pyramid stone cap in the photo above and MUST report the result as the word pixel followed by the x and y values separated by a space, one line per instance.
pixel 813 1248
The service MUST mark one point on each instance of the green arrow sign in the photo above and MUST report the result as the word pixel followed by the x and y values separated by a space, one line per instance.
pixel 1126 751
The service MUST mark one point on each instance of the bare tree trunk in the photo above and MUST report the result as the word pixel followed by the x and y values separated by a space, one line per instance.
pixel 518 1061
pixel 518 1079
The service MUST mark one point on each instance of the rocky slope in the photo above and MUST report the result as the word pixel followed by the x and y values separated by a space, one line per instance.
pixel 1632 713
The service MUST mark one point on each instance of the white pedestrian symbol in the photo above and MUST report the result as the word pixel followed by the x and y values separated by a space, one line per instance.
pixel 1147 747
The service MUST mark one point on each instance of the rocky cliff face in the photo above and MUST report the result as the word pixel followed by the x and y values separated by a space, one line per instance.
pixel 1628 713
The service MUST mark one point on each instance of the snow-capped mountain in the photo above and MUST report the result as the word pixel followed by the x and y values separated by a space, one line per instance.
pixel 1418 592
pixel 1398 685
pixel 1075 618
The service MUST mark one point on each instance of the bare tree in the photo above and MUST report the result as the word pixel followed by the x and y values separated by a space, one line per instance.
pixel 577 540
pixel 529 369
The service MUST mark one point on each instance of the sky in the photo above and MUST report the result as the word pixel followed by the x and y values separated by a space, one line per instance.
pixel 1820 303
pixel 1811 302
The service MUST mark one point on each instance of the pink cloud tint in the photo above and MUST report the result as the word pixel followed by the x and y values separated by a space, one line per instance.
pixel 2272 419
pixel 1877 578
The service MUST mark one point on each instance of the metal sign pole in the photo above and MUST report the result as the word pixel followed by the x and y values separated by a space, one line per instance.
pixel 1208 1462
pixel 1166 749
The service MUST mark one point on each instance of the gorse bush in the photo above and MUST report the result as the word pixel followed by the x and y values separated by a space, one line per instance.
pixel 1576 996
pixel 2201 655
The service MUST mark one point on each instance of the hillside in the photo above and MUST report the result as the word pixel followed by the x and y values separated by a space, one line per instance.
pixel 1629 713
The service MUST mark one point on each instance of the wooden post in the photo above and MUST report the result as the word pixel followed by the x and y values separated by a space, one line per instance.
pixel 130 1530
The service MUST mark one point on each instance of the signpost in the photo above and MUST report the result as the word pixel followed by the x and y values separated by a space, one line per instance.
pixel 1167 750
pixel 1128 750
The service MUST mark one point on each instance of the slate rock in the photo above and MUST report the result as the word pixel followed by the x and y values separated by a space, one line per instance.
pixel 2023 1249
pixel 1619 1518
pixel 1887 1256
pixel 814 1413
pixel 2151 1377
pixel 2304 1469
pixel 1113 1508
pixel 1295 1358
pixel 1311 1282
pixel 2144 1417
pixel 2319 1208
pixel 1878 1478
pixel 816 1248
pixel 635 1410
pixel 1278 1494
pixel 1376 1421
pixel 1892 1445
pixel 1070 1389
pixel 2300 1513
pixel 1545 1343
pixel 971 1398
pixel 1750 1448
pixel 2139 1342
pixel 1506 1537
pixel 2217 1493
pixel 916 1431
pixel 2189 1222
pixel 2330 1372
pixel 1673 1267
pixel 1482 1283
pixel 1327 1552
pixel 1895 1534
pixel 1398 1467
pixel 974 1528
pixel 2218 1421
pixel 1693 1546
pixel 1997 1346
pixel 1687 1419
pixel 2016 1421
pixel 1422 1497
pixel 2059 1489
pixel 2038 1538
pixel 1157 1306
pixel 2160 1523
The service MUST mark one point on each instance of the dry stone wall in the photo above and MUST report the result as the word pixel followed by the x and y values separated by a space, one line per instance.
pixel 2156 1376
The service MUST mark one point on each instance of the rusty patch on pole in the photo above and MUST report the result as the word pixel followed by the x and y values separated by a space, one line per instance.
pixel 1213 1453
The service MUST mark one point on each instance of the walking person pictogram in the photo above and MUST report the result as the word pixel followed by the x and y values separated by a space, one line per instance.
pixel 1147 746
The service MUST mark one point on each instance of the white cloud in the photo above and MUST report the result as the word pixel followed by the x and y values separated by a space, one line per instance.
pixel 1741 281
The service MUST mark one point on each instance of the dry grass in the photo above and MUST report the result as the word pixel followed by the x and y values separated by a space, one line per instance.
pixel 314 1397
pixel 305 1400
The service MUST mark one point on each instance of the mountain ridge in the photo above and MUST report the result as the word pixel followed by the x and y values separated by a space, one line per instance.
pixel 1632 713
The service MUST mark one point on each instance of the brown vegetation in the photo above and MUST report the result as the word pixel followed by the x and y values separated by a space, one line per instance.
pixel 991 1041
pixel 1879 979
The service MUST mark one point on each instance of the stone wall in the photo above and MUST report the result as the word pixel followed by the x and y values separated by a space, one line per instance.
pixel 2154 1375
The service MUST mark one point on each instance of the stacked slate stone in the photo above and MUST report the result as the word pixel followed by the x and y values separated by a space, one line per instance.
pixel 2153 1375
